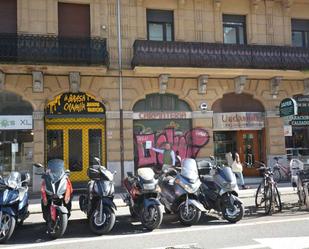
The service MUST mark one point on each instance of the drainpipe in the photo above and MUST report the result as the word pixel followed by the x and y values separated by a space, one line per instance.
pixel 120 89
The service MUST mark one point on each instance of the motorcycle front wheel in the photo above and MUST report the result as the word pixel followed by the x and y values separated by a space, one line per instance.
pixel 188 216
pixel 57 228
pixel 104 223
pixel 151 217
pixel 233 212
pixel 7 225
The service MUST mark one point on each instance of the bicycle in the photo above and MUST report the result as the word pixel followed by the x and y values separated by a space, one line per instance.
pixel 303 187
pixel 267 193
pixel 278 169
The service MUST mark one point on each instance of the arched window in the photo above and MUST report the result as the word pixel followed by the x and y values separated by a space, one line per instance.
pixel 161 102
pixel 12 104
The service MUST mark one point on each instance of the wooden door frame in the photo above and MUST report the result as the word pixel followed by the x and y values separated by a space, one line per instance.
pixel 256 150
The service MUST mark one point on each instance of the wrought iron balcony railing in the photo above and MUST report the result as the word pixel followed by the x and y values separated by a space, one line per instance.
pixel 38 49
pixel 217 55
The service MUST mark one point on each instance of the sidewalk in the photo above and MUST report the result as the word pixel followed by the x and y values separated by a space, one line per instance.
pixel 253 182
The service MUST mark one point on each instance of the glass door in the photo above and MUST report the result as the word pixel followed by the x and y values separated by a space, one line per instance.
pixel 249 151
pixel 77 144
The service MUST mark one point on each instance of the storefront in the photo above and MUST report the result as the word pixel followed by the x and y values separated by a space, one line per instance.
pixel 239 126
pixel 161 118
pixel 297 139
pixel 16 133
pixel 75 132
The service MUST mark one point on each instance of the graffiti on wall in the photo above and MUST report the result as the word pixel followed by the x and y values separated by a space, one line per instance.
pixel 187 144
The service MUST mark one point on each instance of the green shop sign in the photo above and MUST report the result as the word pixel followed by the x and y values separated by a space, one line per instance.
pixel 288 107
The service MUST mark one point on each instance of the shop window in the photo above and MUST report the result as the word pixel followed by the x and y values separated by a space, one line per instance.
pixel 160 25
pixel 75 150
pixel 16 135
pixel 234 29
pixel 54 143
pixel 95 145
pixel 300 33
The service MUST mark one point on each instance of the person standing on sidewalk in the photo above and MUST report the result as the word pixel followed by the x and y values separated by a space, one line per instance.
pixel 169 159
pixel 237 168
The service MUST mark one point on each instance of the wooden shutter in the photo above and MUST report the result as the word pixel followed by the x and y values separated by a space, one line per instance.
pixel 8 16
pixel 74 20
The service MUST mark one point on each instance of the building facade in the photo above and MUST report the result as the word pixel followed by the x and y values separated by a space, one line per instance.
pixel 206 75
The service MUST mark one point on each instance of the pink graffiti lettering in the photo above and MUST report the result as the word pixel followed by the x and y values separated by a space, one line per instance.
pixel 187 145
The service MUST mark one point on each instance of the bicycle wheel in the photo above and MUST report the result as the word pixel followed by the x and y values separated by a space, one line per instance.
pixel 259 195
pixel 268 197
pixel 277 199
pixel 300 193
pixel 277 175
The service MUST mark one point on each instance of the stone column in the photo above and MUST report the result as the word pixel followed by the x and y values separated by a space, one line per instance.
pixel 275 141
pixel 287 22
pixel 140 20
pixel 218 21
pixel 204 120
pixel 180 35
pixel 269 5
pixel 113 143
pixel 253 31
pixel 38 145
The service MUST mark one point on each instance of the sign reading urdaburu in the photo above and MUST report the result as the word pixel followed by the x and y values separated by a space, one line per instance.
pixel 74 104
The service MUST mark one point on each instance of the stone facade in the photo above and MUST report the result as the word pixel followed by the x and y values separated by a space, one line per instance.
pixel 268 22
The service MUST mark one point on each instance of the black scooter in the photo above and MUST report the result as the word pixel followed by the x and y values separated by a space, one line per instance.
pixel 143 198
pixel 219 190
pixel 98 204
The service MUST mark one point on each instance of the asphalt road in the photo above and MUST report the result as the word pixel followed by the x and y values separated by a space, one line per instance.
pixel 286 230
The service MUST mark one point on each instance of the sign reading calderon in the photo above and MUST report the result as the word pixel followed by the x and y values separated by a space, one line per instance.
pixel 288 107
pixel 238 121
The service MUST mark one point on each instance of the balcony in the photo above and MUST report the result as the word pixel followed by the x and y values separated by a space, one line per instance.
pixel 38 49
pixel 217 55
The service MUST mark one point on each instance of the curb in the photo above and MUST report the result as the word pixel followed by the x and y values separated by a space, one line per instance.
pixel 35 206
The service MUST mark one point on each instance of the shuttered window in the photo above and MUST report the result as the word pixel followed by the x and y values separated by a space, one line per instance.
pixel 74 20
pixel 8 16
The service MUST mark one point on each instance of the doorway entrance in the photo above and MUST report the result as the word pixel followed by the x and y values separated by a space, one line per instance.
pixel 76 142
pixel 75 132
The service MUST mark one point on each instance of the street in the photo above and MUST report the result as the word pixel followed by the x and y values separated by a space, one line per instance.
pixel 288 229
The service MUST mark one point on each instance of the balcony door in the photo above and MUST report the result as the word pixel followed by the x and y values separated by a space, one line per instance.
pixel 74 30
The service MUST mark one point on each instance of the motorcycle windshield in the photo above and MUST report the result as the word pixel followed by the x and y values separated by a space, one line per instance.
pixel 55 169
pixel 13 180
pixel 227 174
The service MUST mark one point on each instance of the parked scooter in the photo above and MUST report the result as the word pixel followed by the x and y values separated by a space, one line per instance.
pixel 179 192
pixel 219 190
pixel 56 194
pixel 98 204
pixel 14 201
pixel 143 197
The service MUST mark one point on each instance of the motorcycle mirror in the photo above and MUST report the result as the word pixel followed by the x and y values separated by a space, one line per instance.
pixel 115 172
pixel 67 171
pixel 212 158
pixel 97 160
pixel 38 165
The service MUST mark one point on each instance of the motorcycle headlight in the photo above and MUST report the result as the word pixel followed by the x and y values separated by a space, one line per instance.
pixel 229 185
pixel 149 186
pixel 12 184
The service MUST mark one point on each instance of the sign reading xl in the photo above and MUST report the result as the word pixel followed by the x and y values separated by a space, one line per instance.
pixel 20 122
